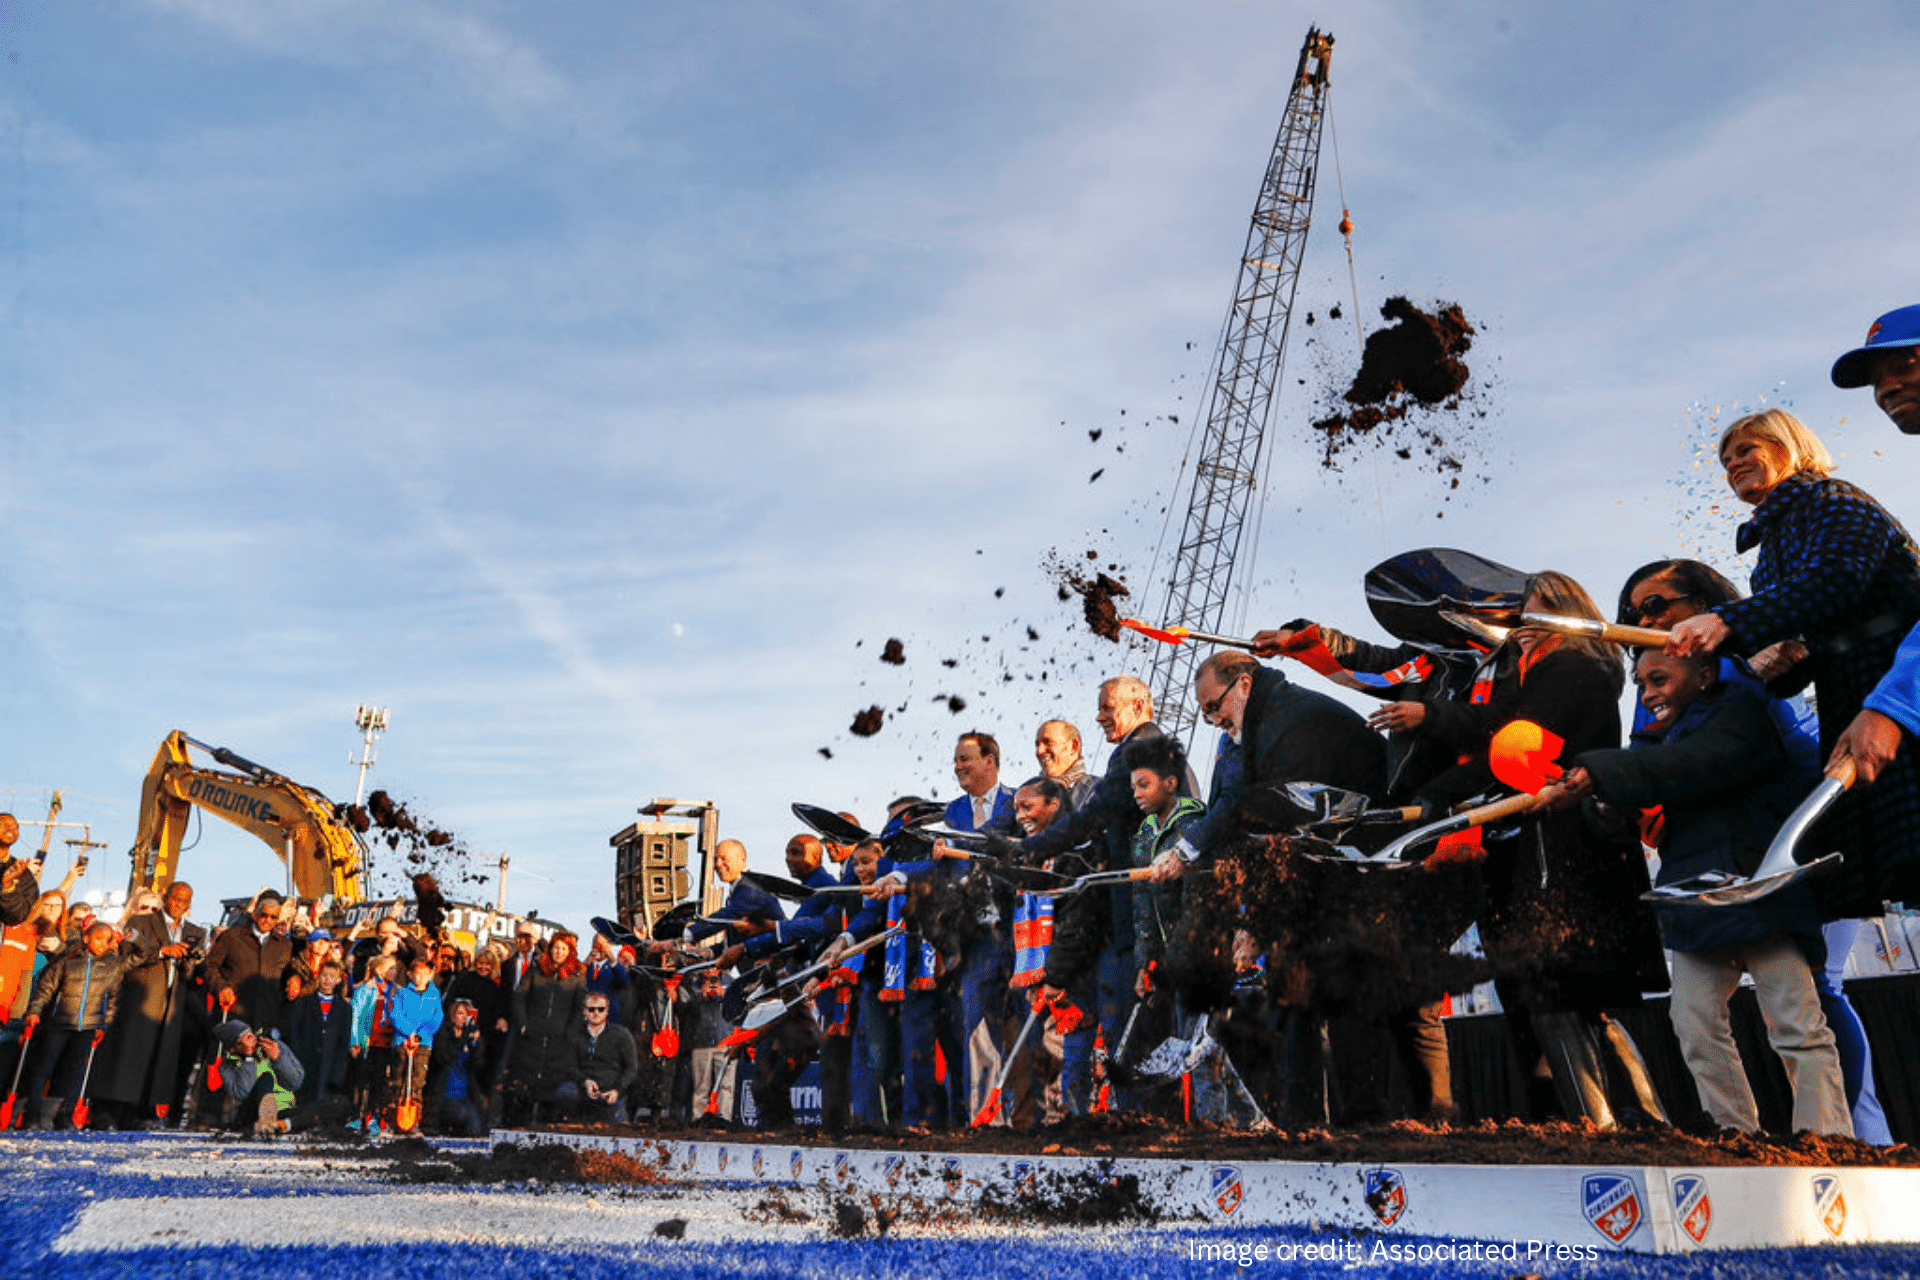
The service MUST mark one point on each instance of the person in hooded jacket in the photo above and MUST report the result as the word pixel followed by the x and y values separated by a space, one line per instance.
pixel 1714 762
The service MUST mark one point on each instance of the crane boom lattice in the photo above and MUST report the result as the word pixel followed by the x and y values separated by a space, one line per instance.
pixel 1246 372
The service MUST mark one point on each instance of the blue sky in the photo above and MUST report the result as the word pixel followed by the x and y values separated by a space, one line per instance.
pixel 600 385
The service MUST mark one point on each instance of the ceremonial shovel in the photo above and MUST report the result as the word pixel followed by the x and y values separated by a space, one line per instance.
pixel 1777 869
pixel 406 1116
pixel 6 1109
pixel 1521 755
pixel 1180 635
pixel 81 1111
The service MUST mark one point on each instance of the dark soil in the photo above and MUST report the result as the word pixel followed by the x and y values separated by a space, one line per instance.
pixel 1097 592
pixel 428 850
pixel 414 1160
pixel 867 723
pixel 1412 363
pixel 1403 1141
pixel 894 653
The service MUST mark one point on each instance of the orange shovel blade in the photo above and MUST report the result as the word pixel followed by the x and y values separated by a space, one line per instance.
pixel 989 1113
pixel 1166 635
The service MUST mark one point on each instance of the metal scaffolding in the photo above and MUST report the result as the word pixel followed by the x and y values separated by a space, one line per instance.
pixel 1248 368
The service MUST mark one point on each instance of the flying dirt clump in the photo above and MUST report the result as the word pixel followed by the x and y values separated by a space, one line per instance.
pixel 894 653
pixel 1097 592
pixel 1414 362
pixel 867 723
pixel 439 855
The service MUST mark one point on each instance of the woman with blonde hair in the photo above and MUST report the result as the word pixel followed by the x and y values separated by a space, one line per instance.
pixel 1839 573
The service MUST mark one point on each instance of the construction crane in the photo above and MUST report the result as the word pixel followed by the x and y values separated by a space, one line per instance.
pixel 1252 356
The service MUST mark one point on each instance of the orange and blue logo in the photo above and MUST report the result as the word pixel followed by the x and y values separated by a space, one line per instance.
pixel 1386 1195
pixel 1612 1204
pixel 1830 1204
pixel 1692 1208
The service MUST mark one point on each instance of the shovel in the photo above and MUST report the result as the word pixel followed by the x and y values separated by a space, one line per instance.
pixel 6 1108
pixel 1180 635
pixel 793 890
pixel 827 823
pixel 991 1110
pixel 82 1112
pixel 826 966
pixel 1408 594
pixel 1335 806
pixel 1522 755
pixel 1494 622
pixel 1777 869
pixel 406 1116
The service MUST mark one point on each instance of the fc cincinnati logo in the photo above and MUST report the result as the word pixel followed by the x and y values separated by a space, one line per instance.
pixel 1386 1195
pixel 1830 1205
pixel 759 1162
pixel 1023 1177
pixel 720 1159
pixel 1612 1205
pixel 950 1174
pixel 796 1162
pixel 894 1166
pixel 693 1153
pixel 1227 1188
pixel 1692 1207
pixel 842 1165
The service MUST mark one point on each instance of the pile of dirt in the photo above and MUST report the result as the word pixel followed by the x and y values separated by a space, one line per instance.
pixel 415 1160
pixel 1410 370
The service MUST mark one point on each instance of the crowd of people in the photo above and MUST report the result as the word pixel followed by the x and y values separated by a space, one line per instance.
pixel 948 968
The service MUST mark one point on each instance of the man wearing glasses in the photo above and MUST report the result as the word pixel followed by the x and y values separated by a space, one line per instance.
pixel 249 960
pixel 1275 732
pixel 604 1062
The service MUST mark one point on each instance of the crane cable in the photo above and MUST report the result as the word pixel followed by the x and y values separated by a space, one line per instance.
pixel 1359 333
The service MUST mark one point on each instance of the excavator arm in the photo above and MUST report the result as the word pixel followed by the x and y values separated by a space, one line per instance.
pixel 300 825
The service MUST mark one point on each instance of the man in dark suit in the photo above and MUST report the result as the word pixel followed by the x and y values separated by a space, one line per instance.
pixel 153 1034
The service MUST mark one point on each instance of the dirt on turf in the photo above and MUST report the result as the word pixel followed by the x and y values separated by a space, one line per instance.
pixel 415 1160
pixel 1404 1141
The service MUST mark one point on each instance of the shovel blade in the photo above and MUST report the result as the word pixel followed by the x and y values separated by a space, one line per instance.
pixel 6 1113
pixel 81 1114
pixel 1737 891
pixel 990 1112
pixel 407 1116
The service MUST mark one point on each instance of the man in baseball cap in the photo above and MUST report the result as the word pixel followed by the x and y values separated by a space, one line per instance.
pixel 1889 362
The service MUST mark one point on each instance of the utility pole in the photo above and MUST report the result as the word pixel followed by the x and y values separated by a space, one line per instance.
pixel 372 721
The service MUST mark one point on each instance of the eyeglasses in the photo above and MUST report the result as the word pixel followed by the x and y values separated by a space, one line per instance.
pixel 596 1008
pixel 1654 605
pixel 1212 709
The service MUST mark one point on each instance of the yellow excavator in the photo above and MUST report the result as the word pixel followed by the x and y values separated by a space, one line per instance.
pixel 308 831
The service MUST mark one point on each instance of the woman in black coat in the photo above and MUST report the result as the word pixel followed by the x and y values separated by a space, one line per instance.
pixel 1561 917
pixel 1838 572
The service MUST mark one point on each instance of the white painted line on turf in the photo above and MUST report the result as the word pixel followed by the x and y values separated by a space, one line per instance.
pixel 406 1217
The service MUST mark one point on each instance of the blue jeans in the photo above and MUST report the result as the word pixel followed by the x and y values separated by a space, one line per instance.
pixel 923 1098
pixel 1850 1037
pixel 1106 996
pixel 574 1100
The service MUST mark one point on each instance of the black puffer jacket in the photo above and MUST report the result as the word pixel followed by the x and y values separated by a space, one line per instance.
pixel 1724 782
pixel 81 992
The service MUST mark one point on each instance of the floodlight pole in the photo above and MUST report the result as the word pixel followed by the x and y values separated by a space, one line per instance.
pixel 372 721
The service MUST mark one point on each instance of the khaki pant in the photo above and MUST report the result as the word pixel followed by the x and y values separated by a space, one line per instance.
pixel 1703 982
